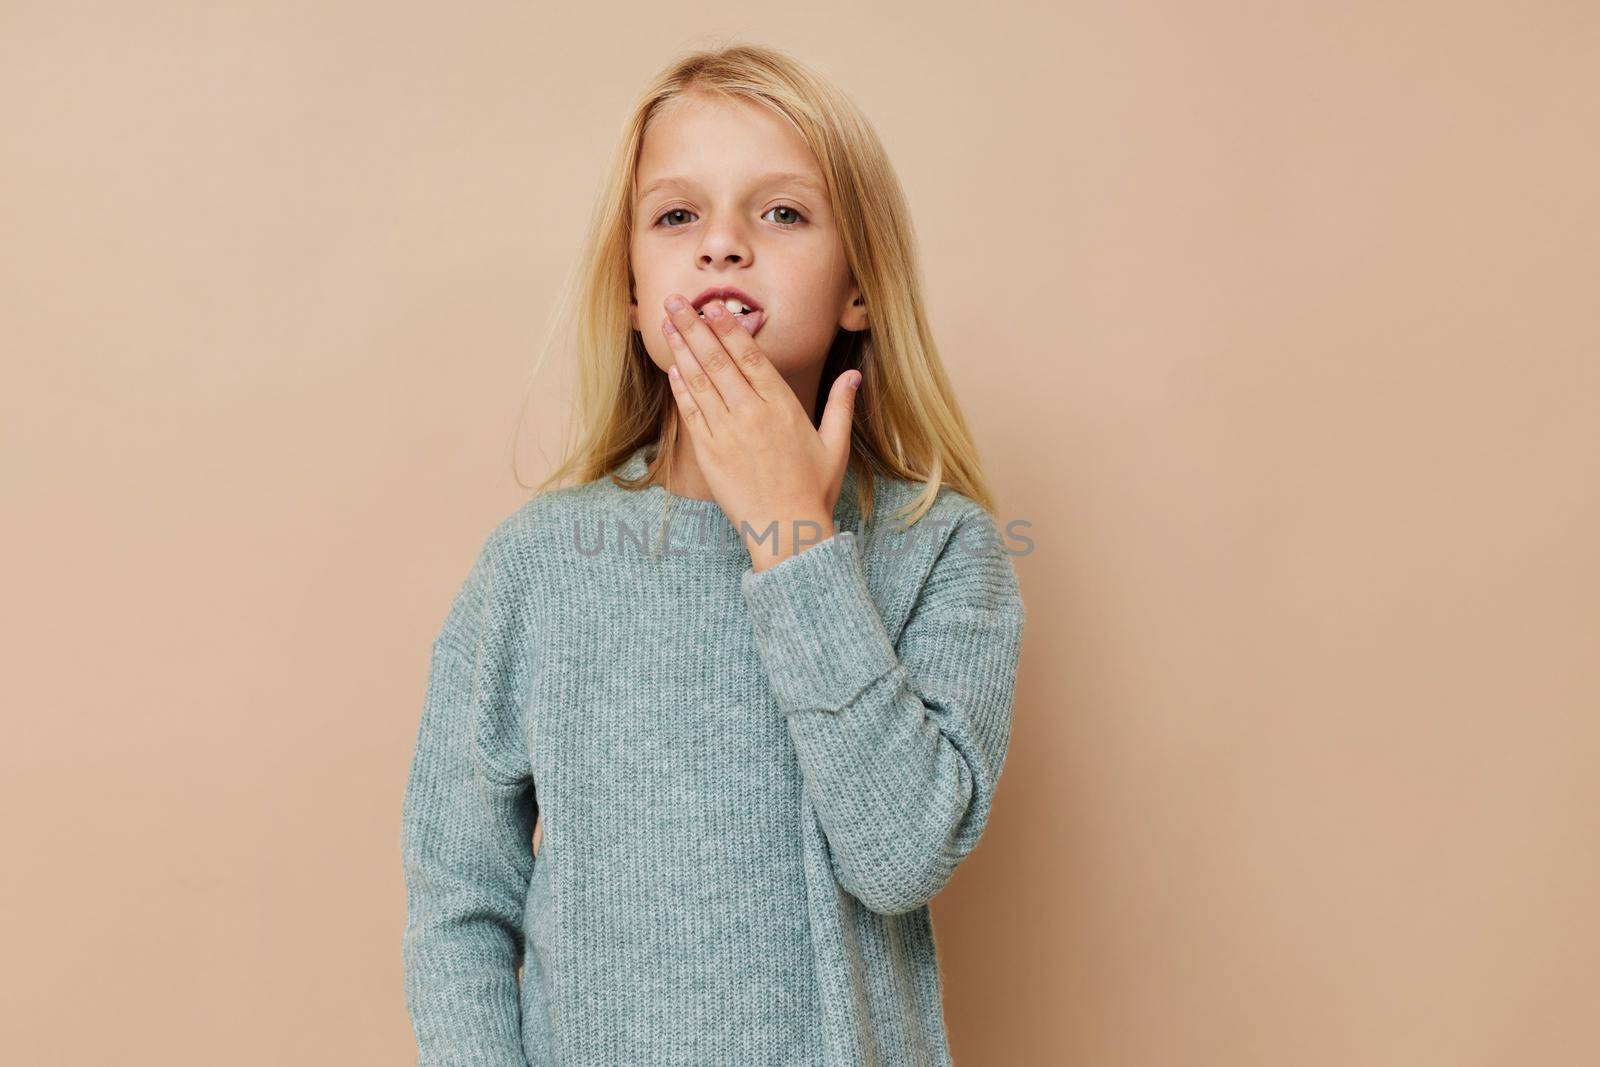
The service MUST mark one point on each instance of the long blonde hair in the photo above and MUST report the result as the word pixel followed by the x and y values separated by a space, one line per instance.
pixel 907 423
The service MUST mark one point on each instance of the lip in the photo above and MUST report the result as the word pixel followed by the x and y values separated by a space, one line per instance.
pixel 722 292
pixel 752 321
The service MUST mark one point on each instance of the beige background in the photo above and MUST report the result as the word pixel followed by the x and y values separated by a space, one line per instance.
pixel 1276 321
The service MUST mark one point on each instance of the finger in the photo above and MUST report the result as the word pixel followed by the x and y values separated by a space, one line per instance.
pixel 701 387
pixel 753 364
pixel 834 429
pixel 688 410
pixel 730 381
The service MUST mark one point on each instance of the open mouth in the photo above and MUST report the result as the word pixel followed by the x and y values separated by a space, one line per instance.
pixel 750 318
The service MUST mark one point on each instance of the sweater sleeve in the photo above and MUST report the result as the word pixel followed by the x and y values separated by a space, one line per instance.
pixel 467 824
pixel 901 743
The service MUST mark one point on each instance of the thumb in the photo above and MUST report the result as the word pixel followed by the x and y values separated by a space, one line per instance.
pixel 838 415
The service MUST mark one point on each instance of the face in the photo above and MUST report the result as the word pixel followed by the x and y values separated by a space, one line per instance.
pixel 713 207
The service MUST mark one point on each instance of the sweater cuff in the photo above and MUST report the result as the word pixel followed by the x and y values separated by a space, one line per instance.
pixel 817 629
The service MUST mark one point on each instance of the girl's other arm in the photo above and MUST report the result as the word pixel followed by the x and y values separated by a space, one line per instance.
pixel 900 744
pixel 467 823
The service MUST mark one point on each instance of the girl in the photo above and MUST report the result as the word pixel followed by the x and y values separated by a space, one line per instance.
pixel 758 741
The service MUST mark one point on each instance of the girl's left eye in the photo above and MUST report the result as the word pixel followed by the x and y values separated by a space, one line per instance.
pixel 779 207
pixel 785 207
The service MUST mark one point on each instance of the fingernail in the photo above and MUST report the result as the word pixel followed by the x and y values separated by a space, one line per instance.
pixel 855 381
pixel 715 310
pixel 676 303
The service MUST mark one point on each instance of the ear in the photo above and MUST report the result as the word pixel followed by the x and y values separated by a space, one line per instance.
pixel 854 315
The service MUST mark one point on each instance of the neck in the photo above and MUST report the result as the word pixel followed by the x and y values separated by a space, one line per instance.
pixel 687 479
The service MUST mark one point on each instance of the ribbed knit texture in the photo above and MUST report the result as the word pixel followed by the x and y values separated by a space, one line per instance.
pixel 751 785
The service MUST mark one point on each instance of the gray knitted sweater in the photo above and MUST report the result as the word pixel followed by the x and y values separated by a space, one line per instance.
pixel 750 784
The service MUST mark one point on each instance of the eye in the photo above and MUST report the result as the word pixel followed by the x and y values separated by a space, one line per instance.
pixel 791 210
pixel 673 211
pixel 799 219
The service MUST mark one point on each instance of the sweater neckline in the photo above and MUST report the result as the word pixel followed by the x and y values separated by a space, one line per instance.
pixel 701 526
pixel 639 461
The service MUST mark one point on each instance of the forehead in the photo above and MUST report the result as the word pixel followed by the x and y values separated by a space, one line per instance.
pixel 709 142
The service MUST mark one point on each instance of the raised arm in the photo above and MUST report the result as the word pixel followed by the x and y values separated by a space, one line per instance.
pixel 900 743
pixel 467 823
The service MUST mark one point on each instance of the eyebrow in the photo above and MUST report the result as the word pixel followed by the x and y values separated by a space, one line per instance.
pixel 765 179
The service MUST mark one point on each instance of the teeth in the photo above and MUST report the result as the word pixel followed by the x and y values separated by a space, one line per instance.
pixel 733 304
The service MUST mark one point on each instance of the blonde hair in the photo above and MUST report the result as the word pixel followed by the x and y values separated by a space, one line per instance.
pixel 906 423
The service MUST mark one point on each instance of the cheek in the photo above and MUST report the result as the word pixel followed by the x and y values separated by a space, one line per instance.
pixel 810 296
pixel 806 318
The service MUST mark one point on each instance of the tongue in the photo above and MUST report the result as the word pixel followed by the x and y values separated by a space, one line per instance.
pixel 750 320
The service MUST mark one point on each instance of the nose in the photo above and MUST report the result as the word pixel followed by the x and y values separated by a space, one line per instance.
pixel 723 243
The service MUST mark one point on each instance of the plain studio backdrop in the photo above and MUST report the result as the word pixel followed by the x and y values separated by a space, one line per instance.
pixel 1275 322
